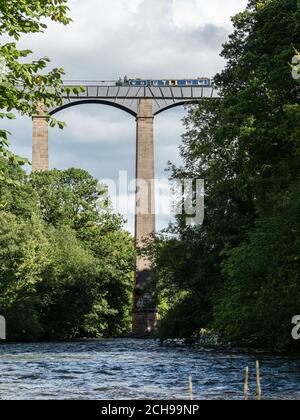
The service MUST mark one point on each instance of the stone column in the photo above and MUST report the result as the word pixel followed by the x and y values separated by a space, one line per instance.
pixel 144 311
pixel 40 151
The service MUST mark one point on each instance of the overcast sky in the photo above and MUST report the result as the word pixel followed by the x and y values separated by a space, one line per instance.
pixel 137 38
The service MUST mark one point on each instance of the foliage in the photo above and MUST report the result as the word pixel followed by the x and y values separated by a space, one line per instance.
pixel 70 197
pixel 23 258
pixel 246 148
pixel 24 85
pixel 74 289
pixel 16 194
pixel 74 198
pixel 66 266
pixel 261 294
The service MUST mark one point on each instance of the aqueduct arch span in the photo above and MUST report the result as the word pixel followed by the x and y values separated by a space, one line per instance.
pixel 143 103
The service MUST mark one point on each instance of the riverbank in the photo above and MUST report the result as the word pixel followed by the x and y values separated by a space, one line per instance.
pixel 204 343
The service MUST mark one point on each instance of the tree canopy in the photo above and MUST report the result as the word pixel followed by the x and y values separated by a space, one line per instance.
pixel 66 262
pixel 237 273
pixel 25 83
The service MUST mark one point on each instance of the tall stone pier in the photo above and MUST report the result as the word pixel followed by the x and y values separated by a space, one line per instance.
pixel 144 310
pixel 40 148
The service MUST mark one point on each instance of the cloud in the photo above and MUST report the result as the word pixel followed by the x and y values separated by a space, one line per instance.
pixel 195 13
pixel 103 140
pixel 149 38
pixel 140 38
pixel 96 125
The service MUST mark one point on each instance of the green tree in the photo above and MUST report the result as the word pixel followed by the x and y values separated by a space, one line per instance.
pixel 24 84
pixel 73 291
pixel 246 148
pixel 71 197
pixel 261 293
pixel 16 194
pixel 115 250
pixel 74 198
pixel 23 258
pixel 66 264
pixel 50 284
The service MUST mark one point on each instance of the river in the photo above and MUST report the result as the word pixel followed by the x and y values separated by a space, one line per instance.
pixel 138 369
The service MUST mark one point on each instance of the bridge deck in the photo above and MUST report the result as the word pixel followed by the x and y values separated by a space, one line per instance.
pixel 126 97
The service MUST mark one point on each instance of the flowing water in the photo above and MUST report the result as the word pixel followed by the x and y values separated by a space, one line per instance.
pixel 138 369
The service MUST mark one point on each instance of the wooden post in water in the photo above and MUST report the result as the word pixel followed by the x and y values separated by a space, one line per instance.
pixel 258 381
pixel 191 387
pixel 246 386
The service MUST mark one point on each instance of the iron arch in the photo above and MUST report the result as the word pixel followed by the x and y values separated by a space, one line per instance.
pixel 94 101
pixel 181 103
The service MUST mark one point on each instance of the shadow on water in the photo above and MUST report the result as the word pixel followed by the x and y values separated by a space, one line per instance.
pixel 138 369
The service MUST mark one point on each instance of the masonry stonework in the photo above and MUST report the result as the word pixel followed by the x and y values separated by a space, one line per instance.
pixel 144 308
pixel 144 313
pixel 40 149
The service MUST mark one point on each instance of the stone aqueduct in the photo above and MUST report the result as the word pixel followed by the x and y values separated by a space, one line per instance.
pixel 143 103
